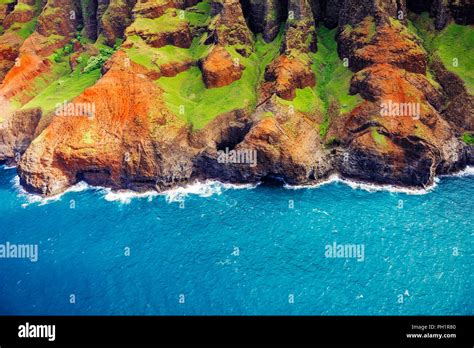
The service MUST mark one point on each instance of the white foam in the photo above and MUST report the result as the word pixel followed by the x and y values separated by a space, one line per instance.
pixel 178 194
pixel 356 185
pixel 389 188
pixel 202 189
pixel 468 171
pixel 316 210
pixel 6 167
pixel 332 178
pixel 125 196
pixel 209 188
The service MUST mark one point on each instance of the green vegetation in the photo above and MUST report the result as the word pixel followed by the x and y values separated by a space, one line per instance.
pixel 324 126
pixel 367 28
pixel 265 53
pixel 153 58
pixel 454 45
pixel 332 82
pixel 372 27
pixel 24 29
pixel 62 84
pixel 65 85
pixel 333 78
pixel 165 23
pixel 306 100
pixel 332 141
pixel 59 55
pixel 20 6
pixel 267 114
pixel 96 62
pixel 199 15
pixel 468 138
pixel 87 138
pixel 173 19
pixel 187 96
pixel 378 138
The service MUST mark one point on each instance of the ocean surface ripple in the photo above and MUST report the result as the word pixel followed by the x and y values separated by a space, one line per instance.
pixel 215 249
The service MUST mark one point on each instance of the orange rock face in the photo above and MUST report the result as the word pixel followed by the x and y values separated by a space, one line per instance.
pixel 3 12
pixel 110 147
pixel 179 36
pixel 285 145
pixel 288 147
pixel 397 135
pixel 48 23
pixel 152 9
pixel 219 69
pixel 173 69
pixel 31 62
pixel 384 81
pixel 382 39
pixel 9 48
pixel 406 130
pixel 20 76
pixel 22 15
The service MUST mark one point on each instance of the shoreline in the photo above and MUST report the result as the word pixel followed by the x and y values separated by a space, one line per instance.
pixel 210 187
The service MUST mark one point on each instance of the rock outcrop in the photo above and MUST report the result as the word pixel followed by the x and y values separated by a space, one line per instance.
pixel 327 12
pixel 155 9
pixel 238 91
pixel 219 69
pixel 17 131
pixel 9 49
pixel 461 11
pixel 376 36
pixel 285 75
pixel 265 17
pixel 23 12
pixel 119 146
pixel 292 69
pixel 114 18
pixel 228 26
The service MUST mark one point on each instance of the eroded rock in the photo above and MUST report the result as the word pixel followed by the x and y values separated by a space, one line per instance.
pixel 219 69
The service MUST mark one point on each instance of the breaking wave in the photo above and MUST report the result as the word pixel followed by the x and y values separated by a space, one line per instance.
pixel 209 188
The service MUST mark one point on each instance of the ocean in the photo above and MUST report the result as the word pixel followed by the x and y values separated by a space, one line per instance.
pixel 214 249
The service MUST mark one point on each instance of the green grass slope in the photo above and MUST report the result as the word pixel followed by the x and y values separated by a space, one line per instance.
pixel 454 45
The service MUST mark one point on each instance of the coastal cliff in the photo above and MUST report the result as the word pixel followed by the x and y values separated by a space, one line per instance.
pixel 141 95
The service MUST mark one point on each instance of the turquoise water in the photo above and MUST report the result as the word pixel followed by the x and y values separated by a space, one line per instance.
pixel 241 251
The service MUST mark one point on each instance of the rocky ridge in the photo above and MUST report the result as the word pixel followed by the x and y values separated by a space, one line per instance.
pixel 307 86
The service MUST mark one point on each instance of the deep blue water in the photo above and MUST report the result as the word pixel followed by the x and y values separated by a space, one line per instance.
pixel 410 252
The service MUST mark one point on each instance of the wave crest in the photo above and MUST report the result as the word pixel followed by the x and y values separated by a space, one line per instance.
pixel 209 188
